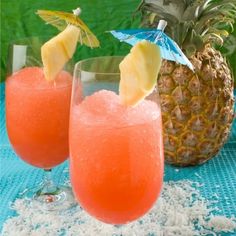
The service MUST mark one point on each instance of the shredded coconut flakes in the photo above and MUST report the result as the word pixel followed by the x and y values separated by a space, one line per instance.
pixel 180 210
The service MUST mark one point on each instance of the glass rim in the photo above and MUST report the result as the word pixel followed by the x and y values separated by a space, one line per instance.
pixel 76 68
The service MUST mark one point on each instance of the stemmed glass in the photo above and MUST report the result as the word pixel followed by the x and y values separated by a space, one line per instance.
pixel 116 152
pixel 37 119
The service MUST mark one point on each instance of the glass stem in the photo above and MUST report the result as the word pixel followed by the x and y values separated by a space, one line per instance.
pixel 48 187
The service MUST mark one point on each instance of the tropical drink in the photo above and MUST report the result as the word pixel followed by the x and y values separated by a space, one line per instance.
pixel 116 157
pixel 38 95
pixel 116 149
pixel 37 116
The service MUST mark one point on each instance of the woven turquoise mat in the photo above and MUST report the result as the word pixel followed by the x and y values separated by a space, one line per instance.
pixel 218 175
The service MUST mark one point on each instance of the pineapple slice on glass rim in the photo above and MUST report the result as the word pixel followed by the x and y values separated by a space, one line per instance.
pixel 139 71
pixel 58 51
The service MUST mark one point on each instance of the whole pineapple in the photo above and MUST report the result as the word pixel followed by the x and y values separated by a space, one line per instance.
pixel 197 108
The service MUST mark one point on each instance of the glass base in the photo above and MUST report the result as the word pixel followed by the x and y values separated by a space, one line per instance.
pixel 61 198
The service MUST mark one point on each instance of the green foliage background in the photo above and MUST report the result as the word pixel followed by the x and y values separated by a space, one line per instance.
pixel 18 20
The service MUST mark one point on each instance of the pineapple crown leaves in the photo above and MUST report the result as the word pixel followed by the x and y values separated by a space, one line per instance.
pixel 191 23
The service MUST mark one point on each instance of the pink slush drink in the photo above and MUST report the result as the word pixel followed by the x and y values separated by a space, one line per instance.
pixel 116 157
pixel 37 116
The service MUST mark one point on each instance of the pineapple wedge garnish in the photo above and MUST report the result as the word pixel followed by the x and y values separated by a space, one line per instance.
pixel 139 71
pixel 57 51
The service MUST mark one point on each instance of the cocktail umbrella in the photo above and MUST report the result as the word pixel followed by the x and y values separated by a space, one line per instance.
pixel 169 48
pixel 61 20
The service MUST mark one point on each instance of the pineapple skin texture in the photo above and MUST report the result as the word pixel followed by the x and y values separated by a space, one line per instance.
pixel 197 108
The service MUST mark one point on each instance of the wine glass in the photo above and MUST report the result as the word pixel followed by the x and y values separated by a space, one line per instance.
pixel 37 119
pixel 116 152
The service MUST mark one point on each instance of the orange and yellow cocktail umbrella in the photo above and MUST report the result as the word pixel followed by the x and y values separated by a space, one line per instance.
pixel 58 50
pixel 61 20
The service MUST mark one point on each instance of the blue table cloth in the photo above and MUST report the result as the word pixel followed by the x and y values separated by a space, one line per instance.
pixel 218 174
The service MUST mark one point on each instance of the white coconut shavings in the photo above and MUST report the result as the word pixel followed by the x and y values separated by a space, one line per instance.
pixel 180 210
pixel 221 223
